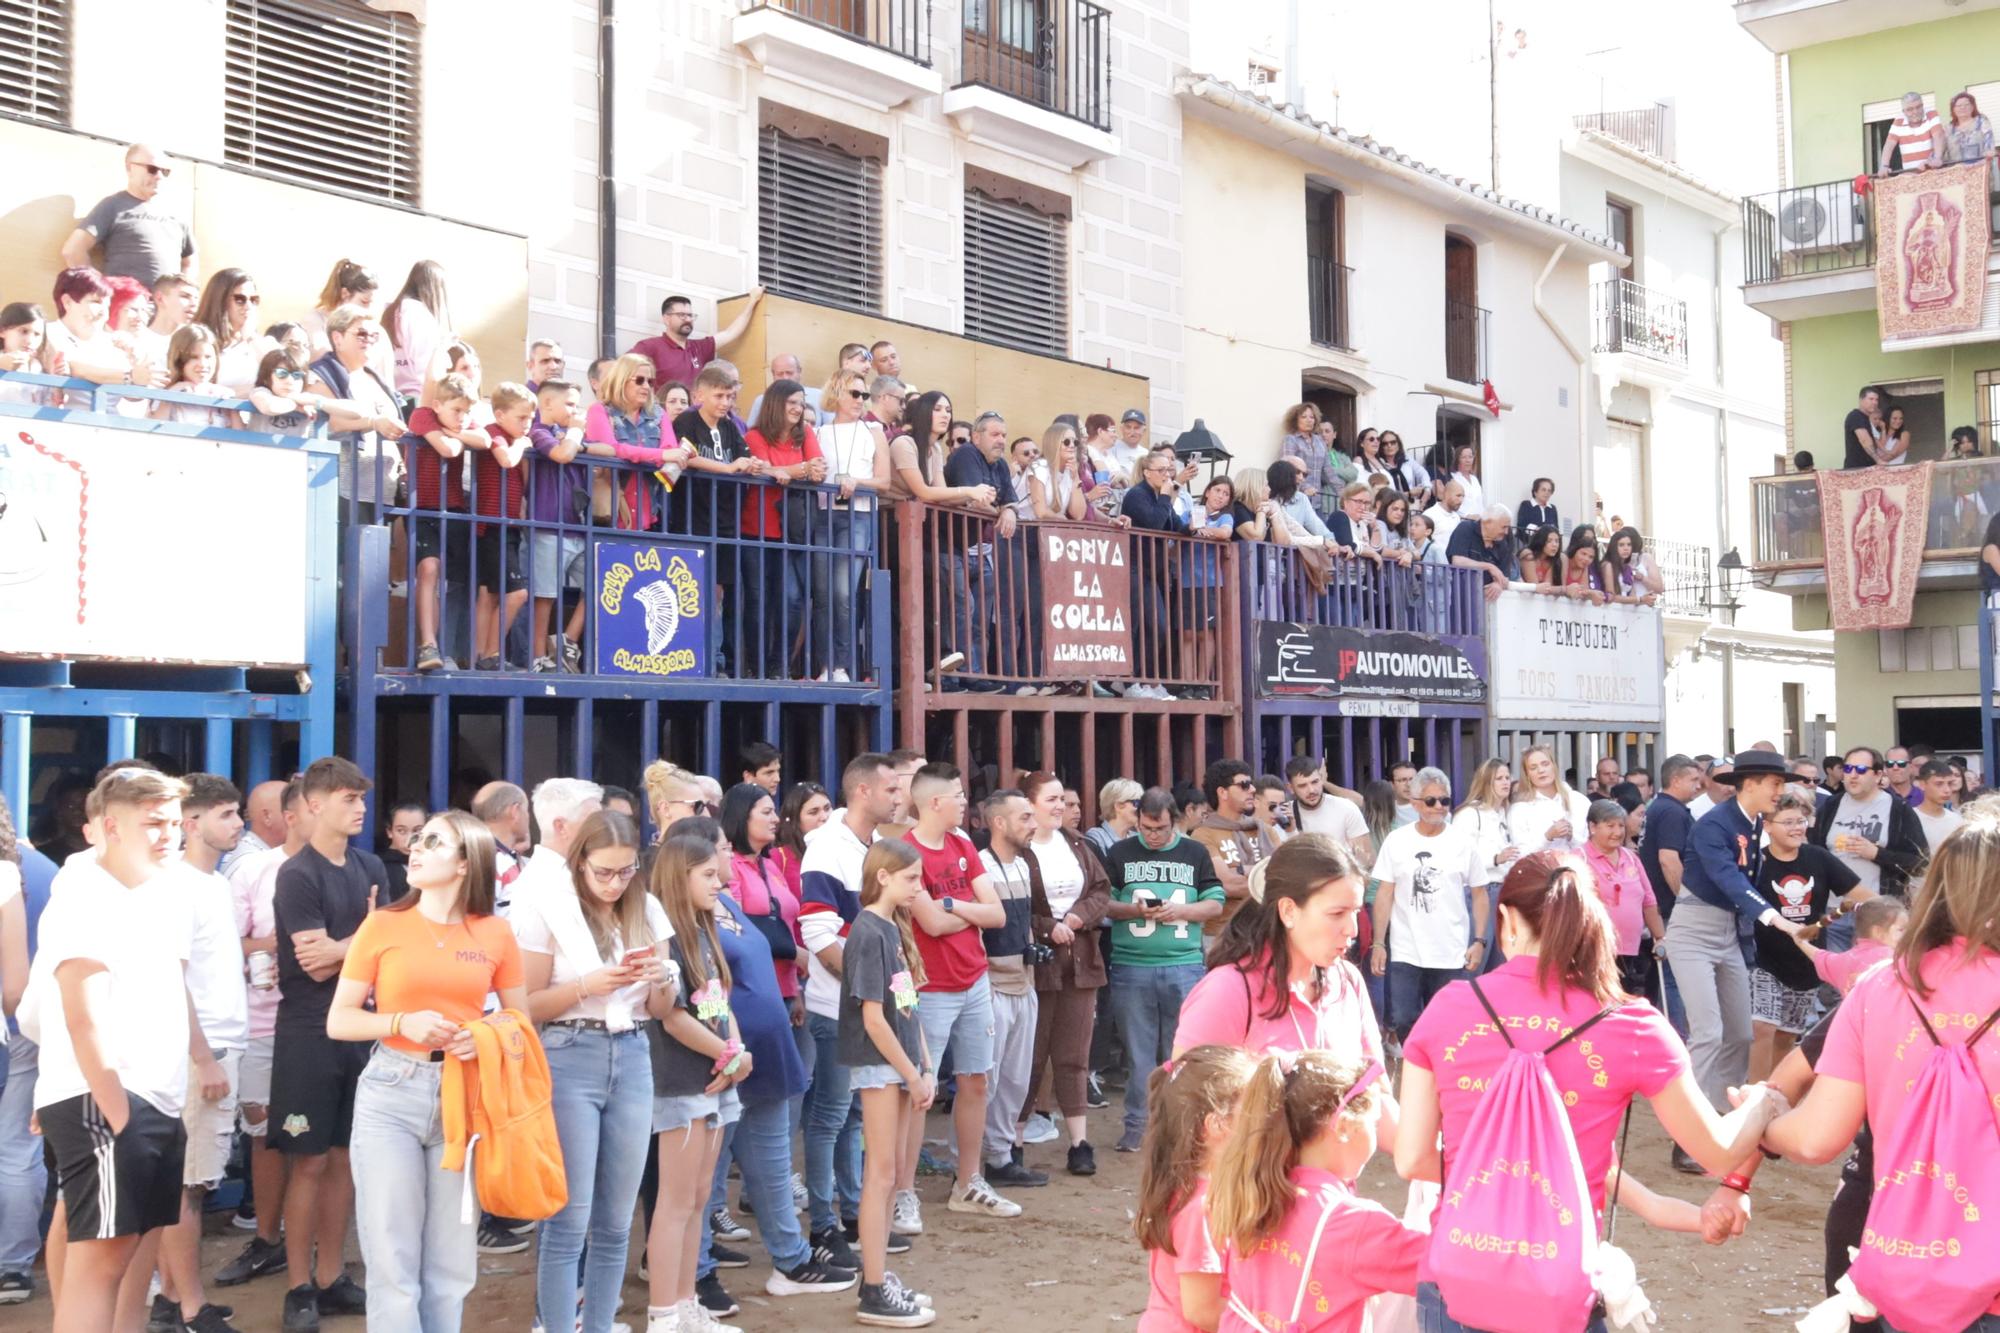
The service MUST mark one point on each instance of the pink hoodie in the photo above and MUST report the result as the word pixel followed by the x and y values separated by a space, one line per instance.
pixel 1842 970
pixel 1194 1252
pixel 1315 1273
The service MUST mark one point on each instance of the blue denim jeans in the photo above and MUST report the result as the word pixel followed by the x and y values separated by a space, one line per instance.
pixel 603 1102
pixel 833 1132
pixel 422 1259
pixel 1431 1316
pixel 808 1052
pixel 761 1145
pixel 1410 991
pixel 836 584
pixel 1147 1001
pixel 970 579
pixel 24 1177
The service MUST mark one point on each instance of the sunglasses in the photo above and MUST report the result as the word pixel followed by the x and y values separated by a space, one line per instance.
pixel 1244 784
pixel 1896 763
pixel 646 380
pixel 695 807
pixel 245 298
pixel 1857 768
pixel 1434 801
pixel 857 395
pixel 436 842
pixel 612 874
pixel 287 374
pixel 161 172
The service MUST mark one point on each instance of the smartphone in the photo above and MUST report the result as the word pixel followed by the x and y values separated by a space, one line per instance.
pixel 636 956
pixel 1145 898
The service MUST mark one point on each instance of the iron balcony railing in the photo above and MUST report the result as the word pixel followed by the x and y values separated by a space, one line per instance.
pixel 1327 287
pixel 902 27
pixel 1465 328
pixel 1687 569
pixel 1645 130
pixel 1632 318
pixel 1964 492
pixel 1055 54
pixel 1823 228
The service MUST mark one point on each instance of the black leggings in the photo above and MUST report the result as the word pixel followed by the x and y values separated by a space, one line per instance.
pixel 1847 1215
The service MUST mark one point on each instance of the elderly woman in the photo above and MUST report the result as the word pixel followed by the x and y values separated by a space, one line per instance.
pixel 1319 479
pixel 80 344
pixel 367 419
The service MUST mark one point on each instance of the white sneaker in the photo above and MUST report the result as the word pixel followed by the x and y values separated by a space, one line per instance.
pixel 906 1218
pixel 894 1283
pixel 667 1322
pixel 799 1196
pixel 1040 1129
pixel 695 1318
pixel 980 1198
pixel 840 676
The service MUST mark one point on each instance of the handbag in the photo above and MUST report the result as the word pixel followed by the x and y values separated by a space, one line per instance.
pixel 771 925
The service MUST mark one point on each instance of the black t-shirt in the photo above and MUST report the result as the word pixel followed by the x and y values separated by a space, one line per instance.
pixel 1239 514
pixel 315 894
pixel 682 1071
pixel 1800 889
pixel 872 967
pixel 703 504
pixel 1852 454
pixel 1669 825
pixel 1468 540
pixel 966 466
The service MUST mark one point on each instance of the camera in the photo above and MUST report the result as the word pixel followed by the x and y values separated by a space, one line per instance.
pixel 1040 953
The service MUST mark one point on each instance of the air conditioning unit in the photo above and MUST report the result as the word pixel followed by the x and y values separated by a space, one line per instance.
pixel 1827 219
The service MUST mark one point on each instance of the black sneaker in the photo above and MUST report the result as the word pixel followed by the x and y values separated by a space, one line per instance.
pixel 891 1307
pixel 16 1288
pixel 210 1319
pixel 1082 1159
pixel 1012 1173
pixel 1685 1164
pixel 833 1248
pixel 724 1257
pixel 1093 1095
pixel 302 1309
pixel 498 1240
pixel 343 1296
pixel 724 1227
pixel 245 1216
pixel 165 1316
pixel 713 1298
pixel 809 1278
pixel 259 1258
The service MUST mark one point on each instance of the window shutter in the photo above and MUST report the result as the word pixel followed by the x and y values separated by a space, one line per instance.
pixel 1016 275
pixel 819 222
pixel 324 92
pixel 34 60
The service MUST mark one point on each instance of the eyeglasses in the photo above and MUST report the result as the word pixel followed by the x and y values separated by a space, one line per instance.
pixel 245 298
pixel 1857 768
pixel 365 335
pixel 612 874
pixel 646 380
pixel 436 842
pixel 1434 801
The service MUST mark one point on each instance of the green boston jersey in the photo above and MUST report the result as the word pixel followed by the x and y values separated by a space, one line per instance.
pixel 1180 872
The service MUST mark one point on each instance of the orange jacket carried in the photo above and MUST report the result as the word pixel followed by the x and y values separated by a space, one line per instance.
pixel 501 1102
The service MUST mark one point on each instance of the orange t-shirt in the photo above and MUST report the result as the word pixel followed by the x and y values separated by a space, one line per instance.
pixel 414 963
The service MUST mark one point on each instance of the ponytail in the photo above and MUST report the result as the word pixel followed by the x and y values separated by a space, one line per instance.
pixel 1183 1094
pixel 1287 1103
pixel 1553 895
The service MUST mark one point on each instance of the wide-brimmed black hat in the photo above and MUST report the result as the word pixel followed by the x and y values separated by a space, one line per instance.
pixel 1750 764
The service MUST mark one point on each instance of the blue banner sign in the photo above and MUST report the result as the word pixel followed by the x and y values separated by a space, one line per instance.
pixel 651 610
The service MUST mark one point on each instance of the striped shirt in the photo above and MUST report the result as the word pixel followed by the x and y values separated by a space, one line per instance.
pixel 1913 140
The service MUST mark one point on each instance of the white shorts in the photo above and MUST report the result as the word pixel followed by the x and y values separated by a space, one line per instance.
pixel 253 1085
pixel 211 1126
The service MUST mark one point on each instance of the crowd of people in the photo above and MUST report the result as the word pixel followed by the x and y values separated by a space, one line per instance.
pixel 768 976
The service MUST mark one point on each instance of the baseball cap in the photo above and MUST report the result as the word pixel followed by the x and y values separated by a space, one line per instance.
pixel 1134 414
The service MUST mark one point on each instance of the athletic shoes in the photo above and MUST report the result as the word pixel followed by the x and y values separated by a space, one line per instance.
pixel 208 1319
pixel 498 1240
pixel 907 1217
pixel 724 1257
pixel 1040 1129
pixel 978 1197
pixel 1082 1159
pixel 344 1296
pixel 808 1279
pixel 710 1295
pixel 1131 1140
pixel 697 1318
pixel 830 1249
pixel 799 1196
pixel 16 1288
pixel 164 1317
pixel 894 1283
pixel 1012 1173
pixel 1093 1095
pixel 724 1227
pixel 260 1258
pixel 889 1307
pixel 302 1309
pixel 245 1216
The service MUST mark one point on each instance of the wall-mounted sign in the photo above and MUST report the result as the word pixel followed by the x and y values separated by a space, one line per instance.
pixel 651 610
pixel 1086 601
pixel 1560 660
pixel 1336 661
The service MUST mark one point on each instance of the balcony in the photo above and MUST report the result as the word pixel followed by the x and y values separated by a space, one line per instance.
pixel 1640 321
pixel 1465 330
pixel 1787 25
pixel 1809 250
pixel 1650 131
pixel 1327 286
pixel 1035 78
pixel 1687 569
pixel 875 52
pixel 1790 551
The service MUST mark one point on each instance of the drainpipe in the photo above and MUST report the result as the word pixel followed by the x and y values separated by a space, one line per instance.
pixel 1722 495
pixel 1582 372
pixel 607 186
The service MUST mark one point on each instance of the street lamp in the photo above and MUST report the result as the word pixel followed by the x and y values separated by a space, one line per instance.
pixel 1199 444
pixel 1731 574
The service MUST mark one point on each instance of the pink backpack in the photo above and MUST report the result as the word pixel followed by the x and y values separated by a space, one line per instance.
pixel 1926 1258
pixel 1513 1245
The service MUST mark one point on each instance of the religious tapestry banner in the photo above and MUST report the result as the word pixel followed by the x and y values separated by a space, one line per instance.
pixel 1873 520
pixel 1931 234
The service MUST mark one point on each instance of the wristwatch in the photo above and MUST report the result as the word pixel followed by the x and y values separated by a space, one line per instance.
pixel 951 905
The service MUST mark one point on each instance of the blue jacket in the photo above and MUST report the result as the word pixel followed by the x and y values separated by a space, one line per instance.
pixel 1710 870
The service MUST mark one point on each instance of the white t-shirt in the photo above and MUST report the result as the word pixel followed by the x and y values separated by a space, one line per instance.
pixel 1865 819
pixel 1700 806
pixel 1062 877
pixel 1491 835
pixel 143 937
pixel 532 928
pixel 215 965
pixel 1335 816
pixel 1936 829
pixel 849 451
pixel 1528 822
pixel 829 896
pixel 1429 925
pixel 1444 522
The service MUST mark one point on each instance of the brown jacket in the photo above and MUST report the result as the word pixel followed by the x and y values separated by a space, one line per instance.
pixel 1232 846
pixel 1077 965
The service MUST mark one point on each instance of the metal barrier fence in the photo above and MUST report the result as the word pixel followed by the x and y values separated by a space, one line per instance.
pixel 1282 584
pixel 899 26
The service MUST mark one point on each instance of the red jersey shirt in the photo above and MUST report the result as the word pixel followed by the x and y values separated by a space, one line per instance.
pixel 496 489
pixel 762 505
pixel 951 962
pixel 439 481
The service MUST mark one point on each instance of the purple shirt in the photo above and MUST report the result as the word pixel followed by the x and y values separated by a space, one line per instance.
pixel 550 482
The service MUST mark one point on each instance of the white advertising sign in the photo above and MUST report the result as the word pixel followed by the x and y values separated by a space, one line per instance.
pixel 159 548
pixel 1558 660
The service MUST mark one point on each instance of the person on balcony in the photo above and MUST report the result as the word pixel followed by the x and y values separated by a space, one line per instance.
pixel 916 456
pixel 1353 524
pixel 1406 474
pixel 1465 471
pixel 79 343
pixel 1056 489
pixel 418 322
pixel 1968 135
pixel 1151 507
pixel 229 305
pixel 1390 528
pixel 705 508
pixel 776 582
pixel 1916 139
pixel 969 552
pixel 1319 479
pixel 191 370
pixel 558 493
pixel 1343 467
pixel 1539 510
pixel 21 342
pixel 367 420
pixel 887 396
pixel 676 353
pixel 1542 562
pixel 1629 574
pixel 140 236
pixel 1449 511
pixel 1860 434
pixel 857 456
pixel 1895 440
pixel 1582 566
pixel 1303 523
pixel 1484 545
pixel 627 421
pixel 1368 454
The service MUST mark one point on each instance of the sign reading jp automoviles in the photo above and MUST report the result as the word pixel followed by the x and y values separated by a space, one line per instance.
pixel 1561 660
pixel 1086 601
pixel 1333 660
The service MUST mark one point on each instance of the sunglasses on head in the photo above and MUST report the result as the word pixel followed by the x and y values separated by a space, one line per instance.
pixel 1857 768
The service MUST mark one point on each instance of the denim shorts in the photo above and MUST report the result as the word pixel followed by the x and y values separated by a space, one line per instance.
pixel 963 1022
pixel 713 1109
pixel 863 1077
pixel 556 561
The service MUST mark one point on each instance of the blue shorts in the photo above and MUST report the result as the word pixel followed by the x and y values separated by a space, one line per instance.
pixel 713 1110
pixel 863 1077
pixel 962 1021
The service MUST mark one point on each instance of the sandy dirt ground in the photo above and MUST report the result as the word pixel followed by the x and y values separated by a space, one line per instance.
pixel 1069 1261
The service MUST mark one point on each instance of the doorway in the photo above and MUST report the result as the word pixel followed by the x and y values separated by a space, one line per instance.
pixel 1922 402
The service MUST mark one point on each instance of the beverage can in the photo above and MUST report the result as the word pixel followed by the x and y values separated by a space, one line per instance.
pixel 263 969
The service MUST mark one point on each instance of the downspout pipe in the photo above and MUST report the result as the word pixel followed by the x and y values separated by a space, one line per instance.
pixel 607 184
pixel 1582 376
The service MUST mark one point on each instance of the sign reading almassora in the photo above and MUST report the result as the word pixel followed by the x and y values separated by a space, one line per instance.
pixel 1559 660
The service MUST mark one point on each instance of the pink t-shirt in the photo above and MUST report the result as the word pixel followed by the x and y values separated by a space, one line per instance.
pixel 253 884
pixel 760 894
pixel 1315 1273
pixel 1633 1052
pixel 1228 1007
pixel 1626 892
pixel 1194 1252
pixel 1842 970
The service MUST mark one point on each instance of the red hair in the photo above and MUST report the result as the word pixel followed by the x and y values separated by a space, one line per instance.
pixel 1951 109
pixel 124 291
pixel 77 284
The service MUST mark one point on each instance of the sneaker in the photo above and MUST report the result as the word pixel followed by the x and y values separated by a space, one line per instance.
pixel 724 1257
pixel 697 1318
pixel 799 1195
pixel 887 1307
pixel 16 1288
pixel 663 1320
pixel 809 1278
pixel 302 1309
pixel 831 1249
pixel 1685 1164
pixel 894 1283
pixel 1082 1159
pixel 644 1276
pixel 840 676
pixel 1131 1140
pixel 906 1218
pixel 978 1197
pixel 568 655
pixel 429 658
pixel 1093 1093
pixel 165 1316
pixel 543 666
pixel 494 1239
pixel 710 1295
pixel 208 1319
pixel 1012 1173
pixel 1040 1129
pixel 245 1216
pixel 724 1227
pixel 345 1296
pixel 488 663
pixel 260 1258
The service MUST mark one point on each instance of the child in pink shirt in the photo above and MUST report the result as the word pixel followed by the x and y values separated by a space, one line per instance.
pixel 1193 1099
pixel 1303 1252
pixel 1878 929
